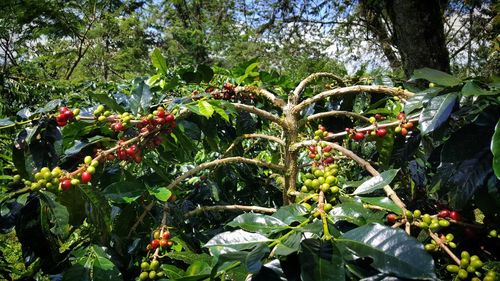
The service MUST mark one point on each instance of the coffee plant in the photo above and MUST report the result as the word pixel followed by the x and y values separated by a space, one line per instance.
pixel 335 179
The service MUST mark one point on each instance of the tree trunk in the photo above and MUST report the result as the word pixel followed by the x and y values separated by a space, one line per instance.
pixel 419 34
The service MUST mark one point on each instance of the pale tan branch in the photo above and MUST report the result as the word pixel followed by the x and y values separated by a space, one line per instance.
pixel 224 161
pixel 253 136
pixel 222 208
pixel 300 88
pixel 337 113
pixel 353 90
pixel 261 92
pixel 264 114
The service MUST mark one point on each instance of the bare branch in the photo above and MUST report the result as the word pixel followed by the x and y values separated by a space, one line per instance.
pixel 147 209
pixel 261 92
pixel 353 90
pixel 222 208
pixel 224 161
pixel 264 114
pixel 300 88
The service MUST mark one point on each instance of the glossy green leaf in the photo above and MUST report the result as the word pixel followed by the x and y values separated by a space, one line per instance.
pixel 258 223
pixel 108 102
pixel 93 264
pixel 172 271
pixel 383 202
pixel 320 260
pixel 141 97
pixel 471 89
pixel 290 245
pixel 392 251
pixel 436 112
pixel 253 261
pixel 376 182
pixel 352 212
pixel 159 61
pixel 6 122
pixel 161 194
pixel 436 76
pixel 205 108
pixel 291 213
pixel 238 239
pixel 495 149
pixel 54 216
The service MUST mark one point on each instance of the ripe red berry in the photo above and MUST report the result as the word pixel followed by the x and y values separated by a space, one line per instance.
pixel 68 114
pixel 381 132
pixel 401 116
pixel 137 158
pixel 166 235
pixel 122 154
pixel 327 148
pixel 312 148
pixel 170 118
pixel 86 177
pixel 155 243
pixel 328 160
pixel 161 113
pixel 378 116
pixel 170 243
pixel 454 215
pixel 391 218
pixel 358 136
pixel 131 150
pixel 444 213
pixel 117 127
pixel 65 184
pixel 312 155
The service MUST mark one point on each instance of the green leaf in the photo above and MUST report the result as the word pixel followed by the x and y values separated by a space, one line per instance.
pixel 54 216
pixel 172 271
pixel 392 251
pixel 124 191
pixel 140 101
pixel 205 108
pixel 471 89
pixel 222 113
pixel 81 144
pixel 291 213
pixel 94 264
pixel 108 102
pixel 436 76
pixel 258 223
pixel 98 211
pixel 161 194
pixel 159 61
pixel 320 260
pixel 253 261
pixel 6 122
pixel 238 239
pixel 382 202
pixel 290 245
pixel 495 149
pixel 436 112
pixel 376 182
pixel 352 212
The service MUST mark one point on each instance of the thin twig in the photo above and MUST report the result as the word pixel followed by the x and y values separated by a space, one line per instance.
pixel 147 209
pixel 221 208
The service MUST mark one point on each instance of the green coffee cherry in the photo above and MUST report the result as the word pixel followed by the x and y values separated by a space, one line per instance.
pixel 452 268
